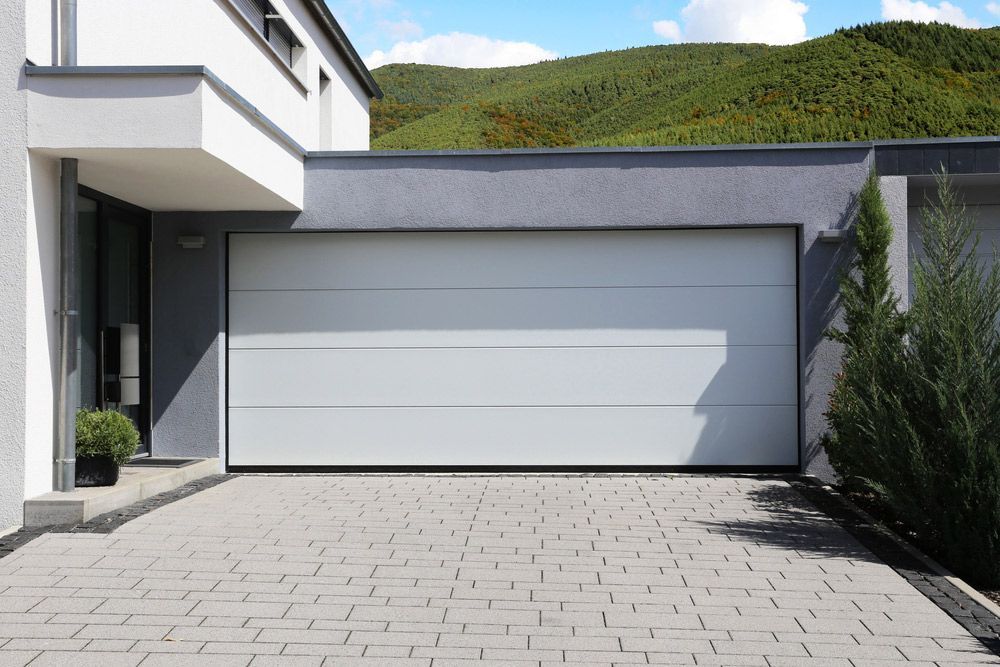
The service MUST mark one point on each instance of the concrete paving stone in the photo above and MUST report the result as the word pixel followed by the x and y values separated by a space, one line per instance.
pixel 532 630
pixel 665 645
pixel 625 619
pixel 192 565
pixel 458 568
pixel 88 659
pixel 500 574
pixel 18 604
pixel 84 619
pixel 36 630
pixel 979 655
pixel 670 658
pixel 397 613
pixel 145 607
pixel 377 662
pixel 286 661
pixel 151 646
pixel 821 650
pixel 15 617
pixel 933 628
pixel 112 645
pixel 766 648
pixel 730 660
pixel 275 623
pixel 16 658
pixel 575 643
pixel 243 648
pixel 482 641
pixel 196 660
pixel 796 661
pixel 43 644
pixel 241 609
pixel 387 651
pixel 310 636
pixel 492 616
pixel 443 652
pixel 406 626
pixel 761 621
pixel 393 638
pixel 577 657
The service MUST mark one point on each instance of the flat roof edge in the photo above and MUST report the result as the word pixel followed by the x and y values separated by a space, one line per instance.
pixel 841 145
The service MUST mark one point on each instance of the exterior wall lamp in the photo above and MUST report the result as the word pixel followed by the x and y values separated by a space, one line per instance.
pixel 832 235
pixel 191 242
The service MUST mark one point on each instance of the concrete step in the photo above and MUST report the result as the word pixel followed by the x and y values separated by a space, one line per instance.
pixel 134 484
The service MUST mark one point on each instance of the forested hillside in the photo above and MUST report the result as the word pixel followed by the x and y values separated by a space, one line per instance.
pixel 878 81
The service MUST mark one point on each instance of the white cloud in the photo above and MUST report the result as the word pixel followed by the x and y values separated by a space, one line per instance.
pixel 922 12
pixel 668 30
pixel 767 21
pixel 993 8
pixel 459 49
pixel 401 30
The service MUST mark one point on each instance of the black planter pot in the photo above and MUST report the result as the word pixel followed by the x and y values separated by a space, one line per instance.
pixel 96 471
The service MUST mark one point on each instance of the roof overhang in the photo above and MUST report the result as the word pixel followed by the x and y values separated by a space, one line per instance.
pixel 336 34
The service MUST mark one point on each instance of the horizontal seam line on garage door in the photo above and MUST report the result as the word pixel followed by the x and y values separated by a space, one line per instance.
pixel 512 347
pixel 504 288
pixel 505 407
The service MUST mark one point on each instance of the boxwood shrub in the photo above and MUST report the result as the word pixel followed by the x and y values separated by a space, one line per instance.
pixel 105 433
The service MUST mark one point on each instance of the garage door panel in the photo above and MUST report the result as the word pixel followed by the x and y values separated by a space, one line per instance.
pixel 655 348
pixel 513 317
pixel 514 377
pixel 666 436
pixel 503 259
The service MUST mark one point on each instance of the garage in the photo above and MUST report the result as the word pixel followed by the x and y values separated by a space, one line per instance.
pixel 541 349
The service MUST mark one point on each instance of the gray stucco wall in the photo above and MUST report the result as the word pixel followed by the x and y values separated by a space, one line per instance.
pixel 13 261
pixel 811 189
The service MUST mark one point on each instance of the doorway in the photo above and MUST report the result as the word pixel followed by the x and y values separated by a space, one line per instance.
pixel 114 301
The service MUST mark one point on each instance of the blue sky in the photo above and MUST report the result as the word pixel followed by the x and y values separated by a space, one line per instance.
pixel 479 33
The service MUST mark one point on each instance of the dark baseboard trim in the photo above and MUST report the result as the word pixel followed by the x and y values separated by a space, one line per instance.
pixel 569 470
pixel 979 621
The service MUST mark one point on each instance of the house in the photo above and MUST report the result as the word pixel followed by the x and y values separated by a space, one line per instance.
pixel 238 274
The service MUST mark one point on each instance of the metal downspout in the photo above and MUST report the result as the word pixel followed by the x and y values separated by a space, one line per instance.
pixel 69 389
pixel 67 33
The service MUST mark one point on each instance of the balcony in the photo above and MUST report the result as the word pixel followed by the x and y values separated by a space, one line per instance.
pixel 166 138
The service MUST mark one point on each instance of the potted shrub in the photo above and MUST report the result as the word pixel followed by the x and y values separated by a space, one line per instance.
pixel 105 441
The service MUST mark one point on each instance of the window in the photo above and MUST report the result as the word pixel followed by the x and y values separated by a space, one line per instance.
pixel 273 28
pixel 325 112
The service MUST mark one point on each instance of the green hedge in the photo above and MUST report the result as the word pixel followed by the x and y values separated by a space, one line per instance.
pixel 915 412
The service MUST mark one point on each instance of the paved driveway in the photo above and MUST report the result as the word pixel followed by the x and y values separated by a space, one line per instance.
pixel 517 570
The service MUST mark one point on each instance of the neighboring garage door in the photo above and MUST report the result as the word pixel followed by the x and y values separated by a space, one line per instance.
pixel 630 348
pixel 987 226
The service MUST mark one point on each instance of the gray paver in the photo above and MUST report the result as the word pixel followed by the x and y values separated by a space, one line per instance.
pixel 311 570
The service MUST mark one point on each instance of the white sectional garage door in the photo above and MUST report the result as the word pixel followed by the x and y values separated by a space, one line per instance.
pixel 631 348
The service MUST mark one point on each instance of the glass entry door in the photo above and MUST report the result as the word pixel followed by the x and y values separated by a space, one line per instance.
pixel 114 309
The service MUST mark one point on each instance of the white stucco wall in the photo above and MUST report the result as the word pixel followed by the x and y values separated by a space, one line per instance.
pixel 13 239
pixel 42 322
pixel 212 33
pixel 350 124
pixel 42 25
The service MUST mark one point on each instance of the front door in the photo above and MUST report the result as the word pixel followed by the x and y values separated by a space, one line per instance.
pixel 114 309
